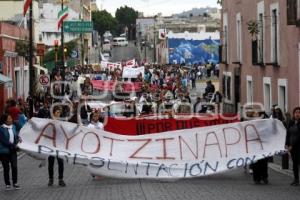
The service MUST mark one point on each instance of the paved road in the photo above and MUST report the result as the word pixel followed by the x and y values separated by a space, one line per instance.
pixel 125 53
pixel 80 186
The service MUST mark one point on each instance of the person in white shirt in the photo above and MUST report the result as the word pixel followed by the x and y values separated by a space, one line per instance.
pixel 95 123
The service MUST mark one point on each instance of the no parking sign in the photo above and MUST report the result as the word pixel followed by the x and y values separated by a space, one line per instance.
pixel 44 80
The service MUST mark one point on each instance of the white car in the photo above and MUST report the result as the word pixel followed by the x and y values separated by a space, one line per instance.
pixel 120 42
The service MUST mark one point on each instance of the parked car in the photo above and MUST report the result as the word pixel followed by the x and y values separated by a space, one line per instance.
pixel 120 42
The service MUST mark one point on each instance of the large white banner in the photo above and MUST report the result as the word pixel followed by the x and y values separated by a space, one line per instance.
pixel 129 72
pixel 177 154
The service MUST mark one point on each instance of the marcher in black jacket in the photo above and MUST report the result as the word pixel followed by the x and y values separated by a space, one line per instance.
pixel 260 168
pixel 293 143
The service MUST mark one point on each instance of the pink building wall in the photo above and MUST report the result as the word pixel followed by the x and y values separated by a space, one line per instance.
pixel 9 34
pixel 289 37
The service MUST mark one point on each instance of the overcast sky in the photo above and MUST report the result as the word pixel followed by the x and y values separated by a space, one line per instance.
pixel 152 7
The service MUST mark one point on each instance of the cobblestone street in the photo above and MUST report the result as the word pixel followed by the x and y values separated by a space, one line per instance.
pixel 80 185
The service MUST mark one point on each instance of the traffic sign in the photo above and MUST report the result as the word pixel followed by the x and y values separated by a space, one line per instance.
pixel 40 49
pixel 78 26
pixel 44 80
pixel 74 54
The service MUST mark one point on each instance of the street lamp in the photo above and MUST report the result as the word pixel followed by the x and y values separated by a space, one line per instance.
pixel 65 52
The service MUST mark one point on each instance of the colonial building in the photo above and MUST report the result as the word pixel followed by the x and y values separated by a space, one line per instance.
pixel 13 66
pixel 260 53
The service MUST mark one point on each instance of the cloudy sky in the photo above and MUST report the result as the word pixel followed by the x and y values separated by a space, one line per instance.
pixel 152 7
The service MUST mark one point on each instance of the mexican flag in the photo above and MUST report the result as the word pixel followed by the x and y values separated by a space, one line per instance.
pixel 26 6
pixel 62 15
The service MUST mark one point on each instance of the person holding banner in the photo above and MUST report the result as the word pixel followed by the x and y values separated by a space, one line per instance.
pixel 95 123
pixel 9 139
pixel 260 168
pixel 57 112
pixel 293 143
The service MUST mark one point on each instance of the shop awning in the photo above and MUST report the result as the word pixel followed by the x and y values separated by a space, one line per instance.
pixel 6 81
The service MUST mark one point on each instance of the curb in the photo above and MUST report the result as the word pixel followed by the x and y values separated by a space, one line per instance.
pixel 277 168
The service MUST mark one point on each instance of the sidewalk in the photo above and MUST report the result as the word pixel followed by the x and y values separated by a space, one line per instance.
pixel 276 166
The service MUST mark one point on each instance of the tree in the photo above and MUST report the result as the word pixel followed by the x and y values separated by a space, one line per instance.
pixel 104 21
pixel 70 46
pixel 22 47
pixel 126 17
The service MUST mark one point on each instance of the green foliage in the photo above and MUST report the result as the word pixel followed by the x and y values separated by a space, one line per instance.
pixel 126 16
pixel 22 48
pixel 253 27
pixel 50 56
pixel 104 21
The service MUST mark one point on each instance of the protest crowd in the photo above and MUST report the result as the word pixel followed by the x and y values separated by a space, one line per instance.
pixel 95 92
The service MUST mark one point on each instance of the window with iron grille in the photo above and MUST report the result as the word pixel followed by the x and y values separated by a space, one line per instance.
pixel 261 39
pixel 274 29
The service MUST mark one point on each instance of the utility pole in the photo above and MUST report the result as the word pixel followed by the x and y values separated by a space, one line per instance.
pixel 63 54
pixel 146 46
pixel 81 35
pixel 154 45
pixel 31 69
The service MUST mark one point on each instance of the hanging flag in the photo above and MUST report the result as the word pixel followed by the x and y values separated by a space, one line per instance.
pixel 26 6
pixel 62 15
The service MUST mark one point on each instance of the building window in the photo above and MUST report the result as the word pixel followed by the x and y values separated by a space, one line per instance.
pixel 239 37
pixel 291 11
pixel 274 30
pixel 274 10
pixel 249 90
pixel 267 94
pixel 227 82
pixel 282 95
pixel 224 50
pixel 298 9
pixel 225 39
pixel 261 38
